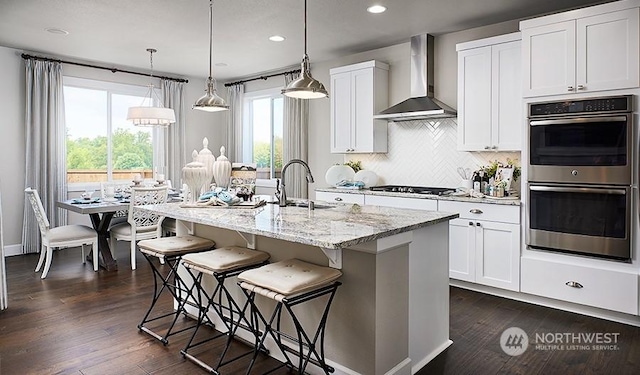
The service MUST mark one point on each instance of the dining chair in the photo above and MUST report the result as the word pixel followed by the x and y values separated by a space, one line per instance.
pixel 140 225
pixel 60 237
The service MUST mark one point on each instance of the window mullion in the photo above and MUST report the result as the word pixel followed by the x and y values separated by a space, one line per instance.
pixel 109 138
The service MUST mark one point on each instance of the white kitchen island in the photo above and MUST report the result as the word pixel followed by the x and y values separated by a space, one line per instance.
pixel 391 314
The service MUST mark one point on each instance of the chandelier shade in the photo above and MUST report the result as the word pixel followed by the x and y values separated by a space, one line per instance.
pixel 150 115
pixel 210 102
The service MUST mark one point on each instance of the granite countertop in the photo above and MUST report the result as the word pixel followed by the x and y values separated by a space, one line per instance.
pixel 332 226
pixel 489 200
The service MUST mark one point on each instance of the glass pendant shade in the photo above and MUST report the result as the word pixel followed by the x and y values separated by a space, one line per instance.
pixel 210 102
pixel 150 115
pixel 305 86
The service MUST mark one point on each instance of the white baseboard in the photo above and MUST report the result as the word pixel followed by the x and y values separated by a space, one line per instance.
pixel 423 362
pixel 11 250
pixel 401 368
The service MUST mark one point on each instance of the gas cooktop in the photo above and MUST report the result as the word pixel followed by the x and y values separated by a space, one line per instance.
pixel 413 189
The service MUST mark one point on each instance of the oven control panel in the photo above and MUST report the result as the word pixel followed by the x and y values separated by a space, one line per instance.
pixel 605 105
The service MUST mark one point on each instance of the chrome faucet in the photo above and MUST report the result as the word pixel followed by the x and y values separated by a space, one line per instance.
pixel 281 193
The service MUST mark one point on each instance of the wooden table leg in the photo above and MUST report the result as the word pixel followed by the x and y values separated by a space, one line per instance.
pixel 101 225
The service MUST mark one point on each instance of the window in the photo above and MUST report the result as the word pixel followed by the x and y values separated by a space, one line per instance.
pixel 263 130
pixel 101 144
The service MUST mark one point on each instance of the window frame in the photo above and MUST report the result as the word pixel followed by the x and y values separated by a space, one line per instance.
pixel 247 129
pixel 157 134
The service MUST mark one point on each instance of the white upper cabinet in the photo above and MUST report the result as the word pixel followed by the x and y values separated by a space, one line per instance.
pixel 358 92
pixel 490 94
pixel 584 50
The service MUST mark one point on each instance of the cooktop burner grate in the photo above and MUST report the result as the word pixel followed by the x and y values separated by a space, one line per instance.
pixel 413 189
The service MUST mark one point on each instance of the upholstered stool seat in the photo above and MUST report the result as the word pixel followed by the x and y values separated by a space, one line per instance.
pixel 292 282
pixel 221 264
pixel 170 250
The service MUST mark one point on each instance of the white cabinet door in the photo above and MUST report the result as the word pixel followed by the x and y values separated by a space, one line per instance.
pixel 341 129
pixel 490 94
pixel 497 255
pixel 549 60
pixel 462 250
pixel 607 51
pixel 506 96
pixel 358 92
pixel 474 99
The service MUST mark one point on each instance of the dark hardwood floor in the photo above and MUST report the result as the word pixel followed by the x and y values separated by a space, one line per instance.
pixel 80 322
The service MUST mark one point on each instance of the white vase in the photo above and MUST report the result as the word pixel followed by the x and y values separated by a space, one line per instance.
pixel 194 175
pixel 222 170
pixel 205 156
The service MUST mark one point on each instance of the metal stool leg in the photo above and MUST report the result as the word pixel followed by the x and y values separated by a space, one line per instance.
pixel 178 290
pixel 232 315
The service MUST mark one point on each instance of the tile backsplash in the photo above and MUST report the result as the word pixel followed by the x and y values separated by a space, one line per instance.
pixel 424 153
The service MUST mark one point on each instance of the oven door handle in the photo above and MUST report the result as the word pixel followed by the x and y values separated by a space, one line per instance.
pixel 578 190
pixel 578 120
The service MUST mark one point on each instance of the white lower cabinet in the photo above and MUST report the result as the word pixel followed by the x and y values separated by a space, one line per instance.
pixel 340 197
pixel 412 203
pixel 615 290
pixel 484 244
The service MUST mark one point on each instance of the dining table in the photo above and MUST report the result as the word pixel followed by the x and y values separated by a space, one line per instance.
pixel 101 212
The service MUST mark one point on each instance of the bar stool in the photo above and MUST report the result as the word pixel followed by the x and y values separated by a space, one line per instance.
pixel 166 278
pixel 222 264
pixel 289 283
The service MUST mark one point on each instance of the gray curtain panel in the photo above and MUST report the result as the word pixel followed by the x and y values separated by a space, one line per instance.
pixel 234 123
pixel 45 147
pixel 295 142
pixel 3 271
pixel 174 147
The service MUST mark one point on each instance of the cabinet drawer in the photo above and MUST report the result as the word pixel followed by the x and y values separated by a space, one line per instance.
pixel 340 197
pixel 606 289
pixel 482 211
pixel 412 203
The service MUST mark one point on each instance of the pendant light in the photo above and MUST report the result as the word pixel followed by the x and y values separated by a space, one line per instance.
pixel 150 115
pixel 305 86
pixel 211 102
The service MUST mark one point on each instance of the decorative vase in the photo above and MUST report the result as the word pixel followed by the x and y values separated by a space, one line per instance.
pixel 194 175
pixel 222 170
pixel 205 156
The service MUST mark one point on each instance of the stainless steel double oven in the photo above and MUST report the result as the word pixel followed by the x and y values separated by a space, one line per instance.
pixel 580 175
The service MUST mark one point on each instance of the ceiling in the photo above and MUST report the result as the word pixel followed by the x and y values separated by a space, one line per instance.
pixel 116 33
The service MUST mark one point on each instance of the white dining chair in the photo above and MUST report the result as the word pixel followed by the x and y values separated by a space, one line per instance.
pixel 60 237
pixel 140 225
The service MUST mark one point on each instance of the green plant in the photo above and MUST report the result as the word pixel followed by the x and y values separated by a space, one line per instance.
pixel 354 164
pixel 491 169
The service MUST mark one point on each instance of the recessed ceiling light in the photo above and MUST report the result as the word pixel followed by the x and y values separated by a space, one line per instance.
pixel 376 9
pixel 55 30
pixel 276 38
pixel 222 64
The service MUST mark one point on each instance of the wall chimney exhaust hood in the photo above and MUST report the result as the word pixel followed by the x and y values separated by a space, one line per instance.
pixel 422 105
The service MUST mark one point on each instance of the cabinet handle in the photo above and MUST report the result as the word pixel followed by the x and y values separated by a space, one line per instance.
pixel 581 87
pixel 471 223
pixel 339 199
pixel 486 147
pixel 494 147
pixel 475 211
pixel 574 284
pixel 478 225
pixel 570 88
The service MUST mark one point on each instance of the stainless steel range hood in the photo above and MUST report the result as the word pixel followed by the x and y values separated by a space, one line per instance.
pixel 422 105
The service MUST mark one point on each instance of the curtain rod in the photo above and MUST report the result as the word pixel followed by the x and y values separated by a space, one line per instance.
pixel 261 77
pixel 112 70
